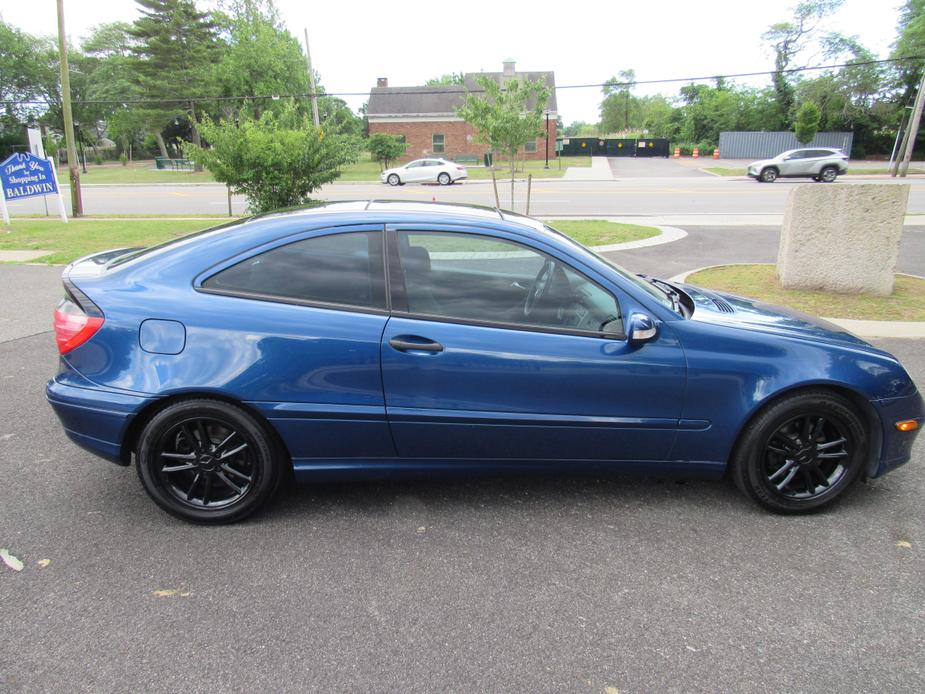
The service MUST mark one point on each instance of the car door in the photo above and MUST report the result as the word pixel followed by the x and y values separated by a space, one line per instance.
pixel 792 163
pixel 415 171
pixel 467 374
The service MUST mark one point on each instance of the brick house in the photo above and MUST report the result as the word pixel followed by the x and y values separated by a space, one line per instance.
pixel 426 116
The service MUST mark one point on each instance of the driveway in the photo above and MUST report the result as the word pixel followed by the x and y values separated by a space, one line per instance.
pixel 652 167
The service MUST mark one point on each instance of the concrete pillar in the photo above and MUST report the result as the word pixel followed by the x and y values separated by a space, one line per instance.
pixel 842 237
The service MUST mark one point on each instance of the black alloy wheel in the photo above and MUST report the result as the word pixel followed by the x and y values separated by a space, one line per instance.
pixel 769 175
pixel 207 461
pixel 801 453
pixel 828 174
pixel 806 456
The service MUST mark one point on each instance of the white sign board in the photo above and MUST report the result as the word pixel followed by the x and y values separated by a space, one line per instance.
pixel 35 142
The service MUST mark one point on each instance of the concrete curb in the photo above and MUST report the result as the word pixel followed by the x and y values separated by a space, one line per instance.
pixel 861 328
pixel 668 235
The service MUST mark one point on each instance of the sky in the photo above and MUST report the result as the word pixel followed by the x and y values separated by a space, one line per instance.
pixel 409 41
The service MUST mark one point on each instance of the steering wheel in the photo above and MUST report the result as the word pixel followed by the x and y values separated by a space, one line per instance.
pixel 540 287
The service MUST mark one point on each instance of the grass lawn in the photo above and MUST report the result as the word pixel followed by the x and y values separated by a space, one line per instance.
pixel 87 235
pixel 907 302
pixel 596 232
pixel 136 172
pixel 724 171
pixel 82 236
pixel 368 170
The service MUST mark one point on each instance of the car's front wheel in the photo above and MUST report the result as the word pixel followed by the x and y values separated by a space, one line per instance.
pixel 444 179
pixel 768 175
pixel 801 453
pixel 207 461
pixel 828 174
pixel 393 180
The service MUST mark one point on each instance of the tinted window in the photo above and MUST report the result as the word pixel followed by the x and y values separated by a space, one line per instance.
pixel 336 269
pixel 479 278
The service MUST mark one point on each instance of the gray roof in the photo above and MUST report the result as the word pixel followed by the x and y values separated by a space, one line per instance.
pixel 443 100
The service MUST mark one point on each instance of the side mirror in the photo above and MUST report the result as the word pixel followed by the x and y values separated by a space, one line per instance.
pixel 641 328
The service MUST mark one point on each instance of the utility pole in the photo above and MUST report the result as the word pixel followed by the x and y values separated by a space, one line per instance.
pixel 311 82
pixel 913 127
pixel 77 206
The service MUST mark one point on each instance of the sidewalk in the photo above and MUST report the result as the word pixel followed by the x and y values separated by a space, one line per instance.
pixel 598 171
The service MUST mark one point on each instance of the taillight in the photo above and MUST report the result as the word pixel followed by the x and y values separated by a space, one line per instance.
pixel 73 326
pixel 460 168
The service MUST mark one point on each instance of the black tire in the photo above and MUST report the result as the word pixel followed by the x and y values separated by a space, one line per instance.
pixel 233 474
pixel 786 478
pixel 393 180
pixel 828 174
pixel 444 179
pixel 768 175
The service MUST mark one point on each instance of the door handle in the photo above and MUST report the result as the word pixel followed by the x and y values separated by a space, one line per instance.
pixel 408 345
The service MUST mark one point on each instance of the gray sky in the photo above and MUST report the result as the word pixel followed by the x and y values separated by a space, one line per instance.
pixel 409 41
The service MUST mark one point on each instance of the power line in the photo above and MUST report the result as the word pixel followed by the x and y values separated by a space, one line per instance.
pixel 461 89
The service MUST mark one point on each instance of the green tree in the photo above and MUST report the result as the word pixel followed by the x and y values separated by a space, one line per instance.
pixel 446 80
pixel 787 40
pixel 385 148
pixel 619 108
pixel 174 55
pixel 506 116
pixel 260 57
pixel 806 123
pixel 276 160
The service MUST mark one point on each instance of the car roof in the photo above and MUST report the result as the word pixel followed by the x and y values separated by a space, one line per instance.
pixel 258 229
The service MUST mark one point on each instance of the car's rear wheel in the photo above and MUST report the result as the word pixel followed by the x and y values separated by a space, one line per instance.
pixel 394 180
pixel 768 175
pixel 828 174
pixel 801 453
pixel 444 179
pixel 207 461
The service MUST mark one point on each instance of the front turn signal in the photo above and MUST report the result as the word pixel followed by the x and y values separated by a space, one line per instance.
pixel 907 425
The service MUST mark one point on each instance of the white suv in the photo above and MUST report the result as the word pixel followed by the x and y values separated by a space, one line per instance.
pixel 820 164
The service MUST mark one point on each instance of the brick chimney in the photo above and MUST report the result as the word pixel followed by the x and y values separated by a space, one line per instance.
pixel 382 81
pixel 509 67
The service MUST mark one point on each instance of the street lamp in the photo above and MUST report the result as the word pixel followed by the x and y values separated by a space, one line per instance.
pixel 546 113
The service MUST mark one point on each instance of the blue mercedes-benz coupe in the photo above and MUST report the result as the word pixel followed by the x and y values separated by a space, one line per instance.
pixel 368 339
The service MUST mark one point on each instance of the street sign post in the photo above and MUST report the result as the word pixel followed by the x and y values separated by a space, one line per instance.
pixel 24 175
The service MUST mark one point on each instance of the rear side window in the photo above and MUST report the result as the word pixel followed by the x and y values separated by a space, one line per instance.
pixel 344 269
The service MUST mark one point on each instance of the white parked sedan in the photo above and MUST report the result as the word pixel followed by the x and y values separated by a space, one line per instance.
pixel 425 171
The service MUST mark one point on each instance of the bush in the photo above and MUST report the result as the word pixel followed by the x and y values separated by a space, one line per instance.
pixel 98 159
pixel 124 159
pixel 276 160
pixel 385 148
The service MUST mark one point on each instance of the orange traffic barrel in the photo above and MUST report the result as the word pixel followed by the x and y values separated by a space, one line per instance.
pixel 677 152
pixel 716 153
pixel 696 152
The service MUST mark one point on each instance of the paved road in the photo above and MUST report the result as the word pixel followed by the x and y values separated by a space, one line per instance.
pixel 541 584
pixel 628 196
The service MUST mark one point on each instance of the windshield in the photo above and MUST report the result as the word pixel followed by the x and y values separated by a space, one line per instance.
pixel 651 289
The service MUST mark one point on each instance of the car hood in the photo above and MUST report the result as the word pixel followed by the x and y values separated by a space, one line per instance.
pixel 762 162
pixel 735 311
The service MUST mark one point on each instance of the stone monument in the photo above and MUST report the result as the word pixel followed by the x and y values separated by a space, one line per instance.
pixel 842 238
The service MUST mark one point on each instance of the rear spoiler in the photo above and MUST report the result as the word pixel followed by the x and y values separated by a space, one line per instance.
pixel 95 264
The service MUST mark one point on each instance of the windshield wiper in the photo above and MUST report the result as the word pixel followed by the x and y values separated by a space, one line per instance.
pixel 673 294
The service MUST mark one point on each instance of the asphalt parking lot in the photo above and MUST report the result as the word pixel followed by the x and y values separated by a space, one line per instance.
pixel 533 585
